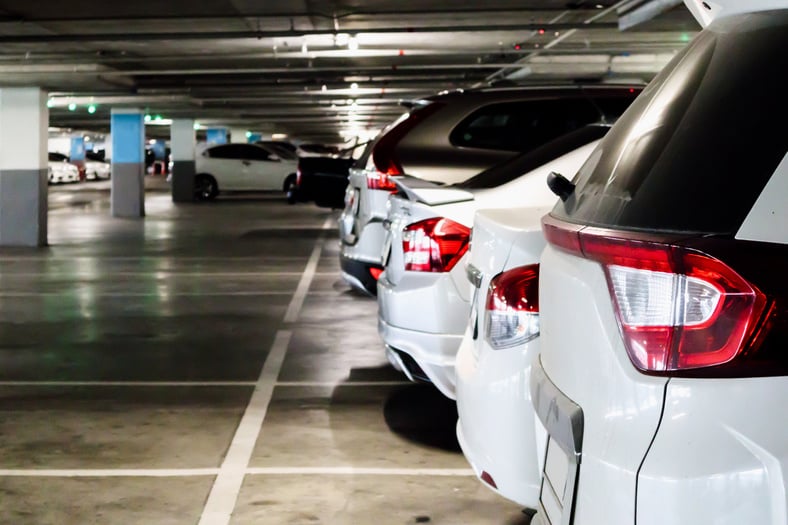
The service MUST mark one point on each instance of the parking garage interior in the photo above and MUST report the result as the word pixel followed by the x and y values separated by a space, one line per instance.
pixel 170 361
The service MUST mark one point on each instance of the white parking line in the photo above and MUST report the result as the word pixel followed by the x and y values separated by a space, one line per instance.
pixel 332 384
pixel 128 383
pixel 266 471
pixel 227 485
pixel 359 471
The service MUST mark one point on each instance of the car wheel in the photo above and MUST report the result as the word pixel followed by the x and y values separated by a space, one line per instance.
pixel 291 189
pixel 205 188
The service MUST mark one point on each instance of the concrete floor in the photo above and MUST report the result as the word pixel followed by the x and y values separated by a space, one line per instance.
pixel 206 364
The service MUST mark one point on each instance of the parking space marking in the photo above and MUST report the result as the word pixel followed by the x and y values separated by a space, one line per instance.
pixel 294 309
pixel 108 473
pixel 127 383
pixel 359 471
pixel 329 384
pixel 228 482
pixel 251 471
pixel 150 294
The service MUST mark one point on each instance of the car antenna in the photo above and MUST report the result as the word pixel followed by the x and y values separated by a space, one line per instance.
pixel 560 185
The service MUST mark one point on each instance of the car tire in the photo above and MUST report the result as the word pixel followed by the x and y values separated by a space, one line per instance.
pixel 205 187
pixel 291 189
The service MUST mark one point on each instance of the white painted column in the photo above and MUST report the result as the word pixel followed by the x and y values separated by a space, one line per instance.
pixel 24 133
pixel 238 136
pixel 182 144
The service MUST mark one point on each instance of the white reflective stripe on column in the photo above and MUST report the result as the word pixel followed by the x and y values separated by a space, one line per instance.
pixel 182 139
pixel 24 129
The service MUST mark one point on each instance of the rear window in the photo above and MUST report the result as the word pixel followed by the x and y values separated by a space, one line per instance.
pixel 526 162
pixel 695 150
pixel 524 125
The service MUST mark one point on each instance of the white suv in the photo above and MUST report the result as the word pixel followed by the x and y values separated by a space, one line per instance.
pixel 664 303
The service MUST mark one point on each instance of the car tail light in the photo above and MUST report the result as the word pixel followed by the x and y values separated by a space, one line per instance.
pixel 677 308
pixel 384 158
pixel 434 245
pixel 376 273
pixel 298 177
pixel 380 181
pixel 512 312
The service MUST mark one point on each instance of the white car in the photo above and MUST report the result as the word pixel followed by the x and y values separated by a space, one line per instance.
pixel 448 138
pixel 62 171
pixel 96 168
pixel 423 294
pixel 663 367
pixel 241 167
pixel 497 428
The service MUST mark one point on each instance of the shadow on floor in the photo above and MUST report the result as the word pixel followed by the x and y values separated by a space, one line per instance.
pixel 420 413
pixel 282 233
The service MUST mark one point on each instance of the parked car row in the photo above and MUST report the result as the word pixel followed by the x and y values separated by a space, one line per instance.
pixel 62 170
pixel 595 274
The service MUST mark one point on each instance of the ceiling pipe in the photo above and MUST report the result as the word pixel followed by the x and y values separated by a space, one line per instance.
pixel 257 35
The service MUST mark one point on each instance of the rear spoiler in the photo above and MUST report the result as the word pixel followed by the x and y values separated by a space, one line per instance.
pixel 429 193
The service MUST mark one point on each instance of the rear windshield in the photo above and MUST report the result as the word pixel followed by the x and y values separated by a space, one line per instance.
pixel 697 147
pixel 526 162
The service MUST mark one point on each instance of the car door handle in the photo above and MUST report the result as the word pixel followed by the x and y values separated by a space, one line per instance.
pixel 246 163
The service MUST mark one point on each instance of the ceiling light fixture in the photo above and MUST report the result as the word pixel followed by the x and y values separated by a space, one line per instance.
pixel 91 109
pixel 352 43
pixel 72 107
pixel 354 86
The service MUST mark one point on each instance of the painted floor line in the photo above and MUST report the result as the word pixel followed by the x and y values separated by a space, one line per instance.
pixel 330 384
pixel 160 274
pixel 127 383
pixel 108 473
pixel 227 485
pixel 253 471
pixel 359 471
pixel 149 294
pixel 294 309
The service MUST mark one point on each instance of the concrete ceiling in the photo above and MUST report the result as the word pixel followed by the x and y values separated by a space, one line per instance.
pixel 292 67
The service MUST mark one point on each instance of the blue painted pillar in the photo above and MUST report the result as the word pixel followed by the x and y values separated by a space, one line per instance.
pixel 24 130
pixel 215 136
pixel 128 163
pixel 77 154
pixel 254 137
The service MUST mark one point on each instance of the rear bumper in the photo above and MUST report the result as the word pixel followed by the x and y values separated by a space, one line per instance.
pixel 497 426
pixel 434 353
pixel 357 274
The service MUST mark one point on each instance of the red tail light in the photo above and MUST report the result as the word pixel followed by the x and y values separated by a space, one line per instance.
pixel 677 308
pixel 434 245
pixel 512 312
pixel 380 181
pixel 384 156
pixel 298 177
pixel 375 273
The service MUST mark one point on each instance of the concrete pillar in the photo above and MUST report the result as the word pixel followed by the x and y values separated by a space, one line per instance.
pixel 182 144
pixel 128 163
pixel 77 153
pixel 24 133
pixel 238 136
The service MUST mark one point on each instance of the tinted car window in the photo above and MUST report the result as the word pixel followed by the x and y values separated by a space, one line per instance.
pixel 256 153
pixel 57 157
pixel 523 163
pixel 230 151
pixel 520 126
pixel 695 150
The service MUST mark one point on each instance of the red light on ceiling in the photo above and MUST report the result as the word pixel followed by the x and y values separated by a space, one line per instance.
pixel 541 31
pixel 518 47
pixel 631 90
pixel 402 52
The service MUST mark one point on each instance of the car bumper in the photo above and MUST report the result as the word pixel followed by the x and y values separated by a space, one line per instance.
pixel 434 353
pixel 497 428
pixel 358 274
pixel 563 419
pixel 358 259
